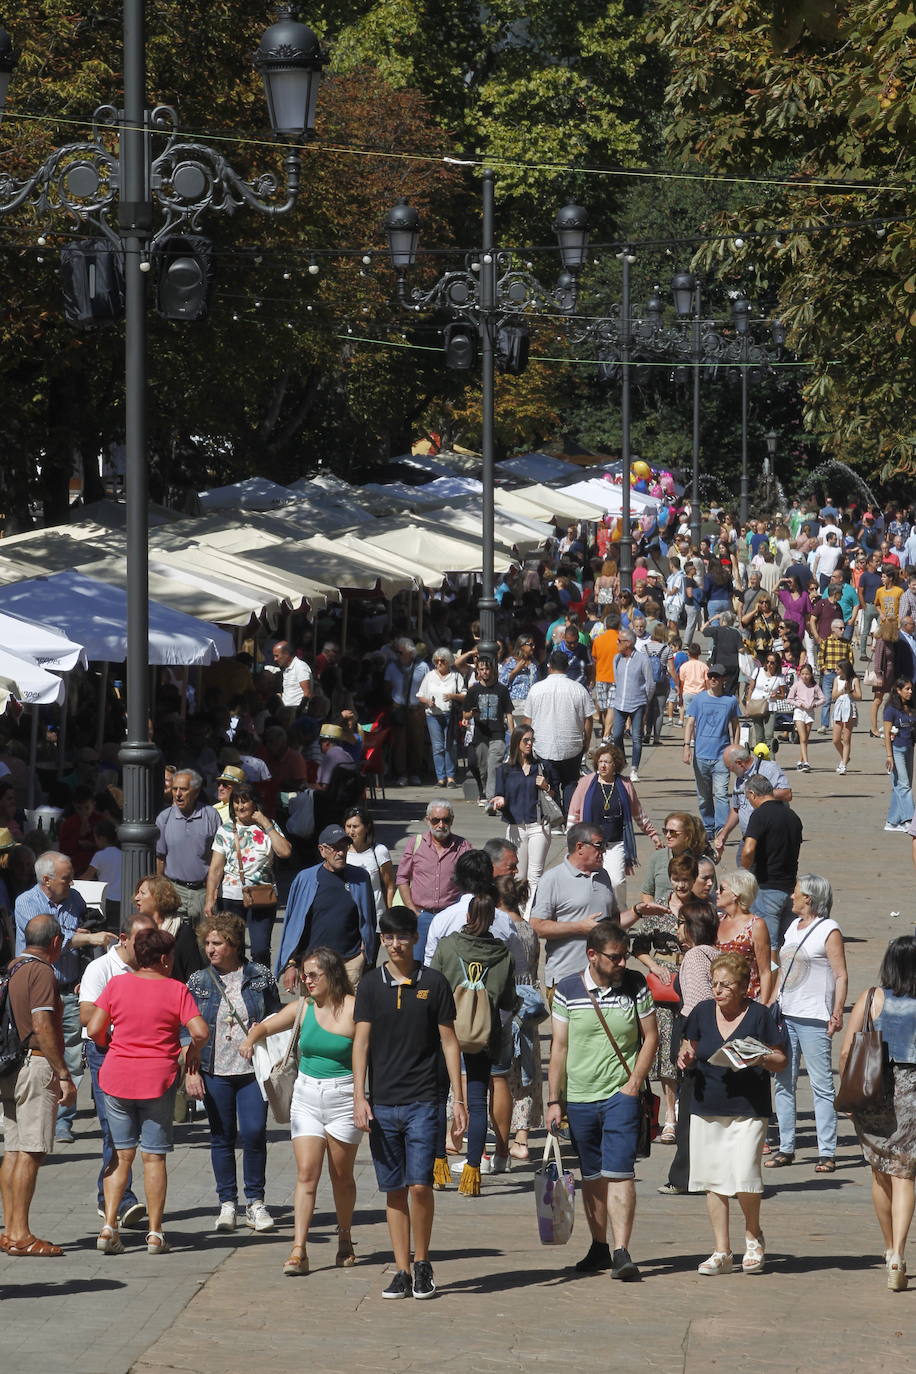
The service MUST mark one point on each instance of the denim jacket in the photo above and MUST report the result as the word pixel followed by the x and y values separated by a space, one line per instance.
pixel 259 993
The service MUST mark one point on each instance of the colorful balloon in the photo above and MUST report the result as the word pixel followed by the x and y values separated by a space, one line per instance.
pixel 642 469
pixel 641 485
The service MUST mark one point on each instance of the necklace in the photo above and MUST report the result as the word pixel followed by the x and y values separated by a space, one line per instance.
pixel 608 799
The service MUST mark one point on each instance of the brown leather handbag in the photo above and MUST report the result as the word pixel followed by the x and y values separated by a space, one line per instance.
pixel 864 1082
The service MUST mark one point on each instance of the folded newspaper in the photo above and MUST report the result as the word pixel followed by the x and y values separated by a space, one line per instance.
pixel 739 1054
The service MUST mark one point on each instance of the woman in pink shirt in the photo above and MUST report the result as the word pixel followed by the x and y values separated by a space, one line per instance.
pixel 138 1019
pixel 805 696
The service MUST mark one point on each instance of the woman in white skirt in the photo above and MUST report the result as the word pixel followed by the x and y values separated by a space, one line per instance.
pixel 847 693
pixel 730 1108
pixel 322 1110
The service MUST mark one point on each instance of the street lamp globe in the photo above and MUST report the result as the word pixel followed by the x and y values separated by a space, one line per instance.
pixel 571 229
pixel 654 307
pixel 290 62
pixel 7 63
pixel 772 439
pixel 778 332
pixel 402 229
pixel 683 285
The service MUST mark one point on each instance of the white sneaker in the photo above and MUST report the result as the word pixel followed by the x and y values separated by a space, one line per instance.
pixel 500 1164
pixel 634 776
pixel 892 829
pixel 841 768
pixel 719 1262
pixel 258 1217
pixel 228 1217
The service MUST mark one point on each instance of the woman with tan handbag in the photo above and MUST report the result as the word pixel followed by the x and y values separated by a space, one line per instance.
pixel 887 1133
pixel 321 1115
pixel 241 877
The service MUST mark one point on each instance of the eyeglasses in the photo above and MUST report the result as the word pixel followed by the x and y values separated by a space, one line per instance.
pixel 398 939
pixel 312 976
pixel 725 986
pixel 595 844
pixel 616 957
pixel 669 831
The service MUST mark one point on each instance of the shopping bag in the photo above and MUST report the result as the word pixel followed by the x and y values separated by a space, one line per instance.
pixel 554 1196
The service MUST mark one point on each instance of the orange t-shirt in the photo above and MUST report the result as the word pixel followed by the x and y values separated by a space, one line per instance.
pixel 604 651
pixel 692 675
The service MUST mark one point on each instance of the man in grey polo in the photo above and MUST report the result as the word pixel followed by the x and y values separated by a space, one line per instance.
pixel 186 830
pixel 742 763
pixel 571 898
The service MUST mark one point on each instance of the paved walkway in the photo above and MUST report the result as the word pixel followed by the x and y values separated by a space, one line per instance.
pixel 220 1305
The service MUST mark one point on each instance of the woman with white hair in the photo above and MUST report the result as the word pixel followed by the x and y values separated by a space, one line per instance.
pixel 440 688
pixel 812 994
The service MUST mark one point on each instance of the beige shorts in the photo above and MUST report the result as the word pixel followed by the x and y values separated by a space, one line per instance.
pixel 30 1100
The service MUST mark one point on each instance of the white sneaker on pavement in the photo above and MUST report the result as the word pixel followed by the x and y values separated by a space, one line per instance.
pixel 258 1217
pixel 228 1217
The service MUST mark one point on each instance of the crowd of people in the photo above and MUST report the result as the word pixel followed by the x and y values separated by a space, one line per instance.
pixel 418 996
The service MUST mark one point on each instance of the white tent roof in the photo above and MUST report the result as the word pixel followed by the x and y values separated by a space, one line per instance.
pixel 444 552
pixel 537 467
pixel 512 529
pixel 44 645
pixel 338 563
pixel 280 583
pixel 597 490
pixel 559 505
pixel 28 683
pixel 255 493
pixel 95 614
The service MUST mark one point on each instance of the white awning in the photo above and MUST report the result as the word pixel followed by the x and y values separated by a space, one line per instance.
pixel 255 493
pixel 537 467
pixel 42 644
pixel 28 683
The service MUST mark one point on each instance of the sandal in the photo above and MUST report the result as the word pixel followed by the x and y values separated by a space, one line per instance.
pixel 667 1135
pixel 156 1243
pixel 33 1248
pixel 297 1263
pixel 825 1165
pixel 779 1160
pixel 109 1241
pixel 345 1256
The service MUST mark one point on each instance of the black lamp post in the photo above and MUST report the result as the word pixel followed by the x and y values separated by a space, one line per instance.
pixel 487 293
pixel 741 313
pixel 183 180
pixel 685 288
pixel 772 440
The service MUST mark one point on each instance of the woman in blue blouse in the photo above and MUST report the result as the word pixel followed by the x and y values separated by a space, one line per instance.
pixel 518 785
pixel 899 722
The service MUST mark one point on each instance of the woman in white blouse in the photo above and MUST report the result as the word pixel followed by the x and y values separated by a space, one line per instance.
pixel 766 688
pixel 374 858
pixel 440 687
pixel 812 994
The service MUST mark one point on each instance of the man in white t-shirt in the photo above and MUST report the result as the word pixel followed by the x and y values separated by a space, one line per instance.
pixel 119 959
pixel 825 558
pixel 296 676
pixel 560 712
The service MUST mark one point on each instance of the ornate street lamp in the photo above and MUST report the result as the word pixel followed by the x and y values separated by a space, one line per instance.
pixel 290 62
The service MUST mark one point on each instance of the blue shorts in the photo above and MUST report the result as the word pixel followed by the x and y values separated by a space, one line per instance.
pixel 605 1135
pixel 145 1121
pixel 403 1145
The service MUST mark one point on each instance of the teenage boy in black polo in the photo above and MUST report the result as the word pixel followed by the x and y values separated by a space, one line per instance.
pixel 404 1015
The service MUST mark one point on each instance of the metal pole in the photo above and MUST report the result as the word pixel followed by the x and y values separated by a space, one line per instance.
pixel 137 755
pixel 695 479
pixel 626 532
pixel 487 604
pixel 742 503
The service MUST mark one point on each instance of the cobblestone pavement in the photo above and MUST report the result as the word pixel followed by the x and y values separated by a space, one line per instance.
pixel 220 1305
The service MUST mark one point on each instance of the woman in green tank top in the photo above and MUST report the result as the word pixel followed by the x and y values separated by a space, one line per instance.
pixel 321 1118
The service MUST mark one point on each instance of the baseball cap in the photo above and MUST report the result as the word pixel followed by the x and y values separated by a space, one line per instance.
pixel 333 835
pixel 715 670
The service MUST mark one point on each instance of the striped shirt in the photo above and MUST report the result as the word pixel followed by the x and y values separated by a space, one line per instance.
pixel 593 1070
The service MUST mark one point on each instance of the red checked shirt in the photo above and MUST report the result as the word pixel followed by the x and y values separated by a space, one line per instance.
pixel 430 870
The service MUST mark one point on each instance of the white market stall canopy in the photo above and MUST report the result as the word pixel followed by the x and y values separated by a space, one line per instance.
pixel 255 493
pixel 44 645
pixel 444 552
pixel 513 529
pixel 28 683
pixel 597 490
pixel 282 584
pixel 537 467
pixel 95 615
pixel 338 563
pixel 559 505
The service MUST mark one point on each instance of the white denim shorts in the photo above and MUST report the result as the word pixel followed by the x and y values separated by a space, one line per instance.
pixel 323 1107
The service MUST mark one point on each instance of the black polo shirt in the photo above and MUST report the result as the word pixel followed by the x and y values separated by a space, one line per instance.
pixel 778 832
pixel 404 1021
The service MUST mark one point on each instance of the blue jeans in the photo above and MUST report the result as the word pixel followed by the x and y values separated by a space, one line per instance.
pixel 94 1061
pixel 260 923
pixel 827 681
pixel 636 717
pixel 900 811
pixel 774 908
pixel 402 1141
pixel 477 1069
pixel 712 779
pixel 443 746
pixel 73 1053
pixel 236 1110
pixel 424 921
pixel 808 1038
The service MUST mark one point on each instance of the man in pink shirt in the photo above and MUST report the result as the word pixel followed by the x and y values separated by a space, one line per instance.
pixel 426 873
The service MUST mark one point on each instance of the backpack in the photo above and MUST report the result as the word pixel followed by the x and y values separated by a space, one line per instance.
pixel 12 1054
pixel 473 1010
pixel 659 668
